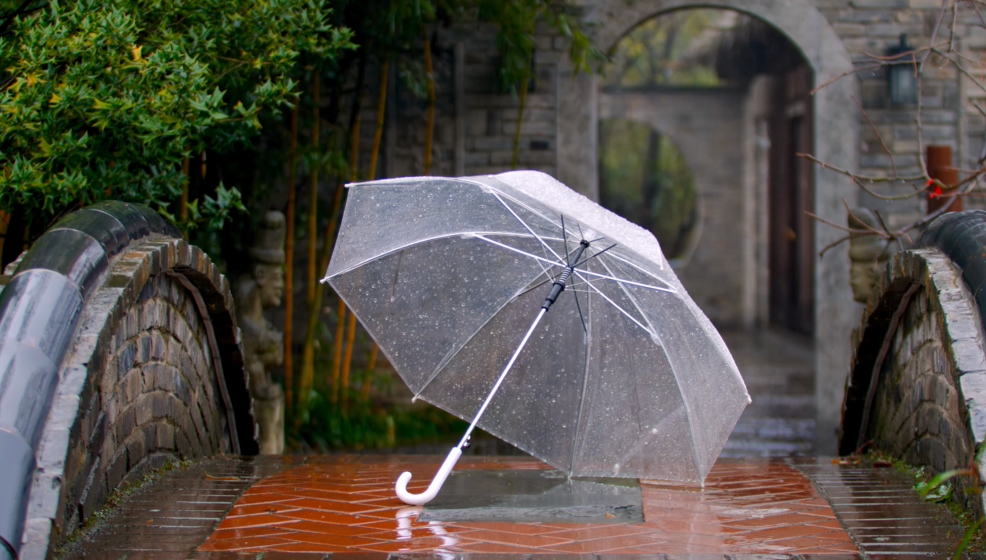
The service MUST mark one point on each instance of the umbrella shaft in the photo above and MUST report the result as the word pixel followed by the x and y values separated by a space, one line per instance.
pixel 559 285
pixel 503 376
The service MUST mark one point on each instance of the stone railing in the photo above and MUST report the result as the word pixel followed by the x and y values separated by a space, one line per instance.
pixel 917 386
pixel 118 351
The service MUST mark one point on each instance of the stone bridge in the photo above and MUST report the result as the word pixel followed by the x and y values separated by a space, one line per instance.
pixel 119 350
pixel 917 385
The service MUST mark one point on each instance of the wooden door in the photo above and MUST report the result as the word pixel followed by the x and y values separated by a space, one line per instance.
pixel 792 194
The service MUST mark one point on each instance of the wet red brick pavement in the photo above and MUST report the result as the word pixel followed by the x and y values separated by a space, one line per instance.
pixel 344 506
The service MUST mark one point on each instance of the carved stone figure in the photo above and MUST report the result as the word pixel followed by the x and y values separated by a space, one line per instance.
pixel 263 345
pixel 869 254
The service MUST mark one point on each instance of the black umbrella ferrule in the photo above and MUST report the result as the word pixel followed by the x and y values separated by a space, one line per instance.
pixel 559 284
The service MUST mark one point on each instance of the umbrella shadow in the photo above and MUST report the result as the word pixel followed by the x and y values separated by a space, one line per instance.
pixel 531 496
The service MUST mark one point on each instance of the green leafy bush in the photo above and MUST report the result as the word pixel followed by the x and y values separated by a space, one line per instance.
pixel 104 99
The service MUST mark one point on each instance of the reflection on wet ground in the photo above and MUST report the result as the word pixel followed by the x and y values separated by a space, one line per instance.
pixel 324 506
pixel 795 509
pixel 779 370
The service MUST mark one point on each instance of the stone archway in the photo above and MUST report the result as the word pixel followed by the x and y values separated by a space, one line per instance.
pixel 135 361
pixel 835 140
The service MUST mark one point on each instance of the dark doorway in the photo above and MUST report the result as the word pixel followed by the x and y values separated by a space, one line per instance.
pixel 791 197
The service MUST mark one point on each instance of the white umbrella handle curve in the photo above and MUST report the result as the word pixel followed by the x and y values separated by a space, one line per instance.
pixel 436 483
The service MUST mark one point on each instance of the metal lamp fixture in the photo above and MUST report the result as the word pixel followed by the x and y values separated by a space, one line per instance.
pixel 901 78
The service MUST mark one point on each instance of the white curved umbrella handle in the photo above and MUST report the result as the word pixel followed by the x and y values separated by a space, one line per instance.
pixel 436 483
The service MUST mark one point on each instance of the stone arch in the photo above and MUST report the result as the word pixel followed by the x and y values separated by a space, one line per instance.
pixel 152 372
pixel 836 132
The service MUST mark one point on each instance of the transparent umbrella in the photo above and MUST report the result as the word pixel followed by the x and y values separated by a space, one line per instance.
pixel 516 303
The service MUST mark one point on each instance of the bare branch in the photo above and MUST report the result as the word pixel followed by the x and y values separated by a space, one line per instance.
pixel 934 36
pixel 951 30
pixel 867 178
pixel 847 73
pixel 887 229
pixel 878 136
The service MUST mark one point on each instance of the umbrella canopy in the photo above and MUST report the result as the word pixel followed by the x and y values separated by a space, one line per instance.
pixel 625 376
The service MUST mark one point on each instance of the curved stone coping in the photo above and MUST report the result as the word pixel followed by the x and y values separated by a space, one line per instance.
pixel 40 309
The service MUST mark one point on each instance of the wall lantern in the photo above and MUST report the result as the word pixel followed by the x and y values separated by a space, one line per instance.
pixel 901 80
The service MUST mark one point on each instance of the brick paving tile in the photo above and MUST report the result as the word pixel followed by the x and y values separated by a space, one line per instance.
pixel 344 507
pixel 740 500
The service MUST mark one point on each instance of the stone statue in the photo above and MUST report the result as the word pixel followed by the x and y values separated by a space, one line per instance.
pixel 869 254
pixel 263 345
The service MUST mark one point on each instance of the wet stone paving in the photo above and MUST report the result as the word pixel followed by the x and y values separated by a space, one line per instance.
pixel 344 506
pixel 779 371
pixel 766 498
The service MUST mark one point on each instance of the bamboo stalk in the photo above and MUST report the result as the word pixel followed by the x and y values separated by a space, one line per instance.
pixel 520 117
pixel 313 190
pixel 337 352
pixel 371 366
pixel 430 127
pixel 308 358
pixel 348 358
pixel 353 173
pixel 289 263
pixel 381 115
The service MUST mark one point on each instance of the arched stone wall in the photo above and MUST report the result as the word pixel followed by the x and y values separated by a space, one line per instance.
pixel 917 387
pixel 836 131
pixel 152 372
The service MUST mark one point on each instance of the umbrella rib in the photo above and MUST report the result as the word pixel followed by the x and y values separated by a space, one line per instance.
pixel 614 304
pixel 638 267
pixel 453 353
pixel 516 250
pixel 578 306
pixel 527 227
pixel 500 195
pixel 684 402
pixel 624 281
pixel 585 381
pixel 435 238
pixel 594 255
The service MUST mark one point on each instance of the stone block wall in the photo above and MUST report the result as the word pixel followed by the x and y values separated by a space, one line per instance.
pixel 475 119
pixel 872 26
